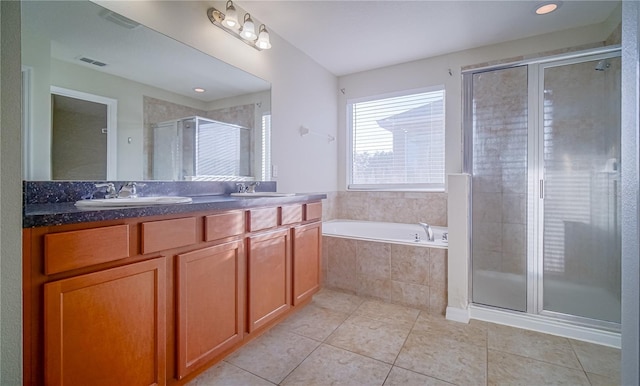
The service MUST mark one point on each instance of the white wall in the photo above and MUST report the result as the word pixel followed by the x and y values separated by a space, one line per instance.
pixel 37 56
pixel 10 197
pixel 435 71
pixel 303 93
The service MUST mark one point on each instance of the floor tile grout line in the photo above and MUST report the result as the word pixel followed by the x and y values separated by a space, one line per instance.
pixel 245 370
pixel 407 337
pixel 578 358
pixel 298 365
pixel 486 378
pixel 539 360
pixel 426 375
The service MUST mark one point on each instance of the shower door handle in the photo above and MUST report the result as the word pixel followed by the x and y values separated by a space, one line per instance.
pixel 541 189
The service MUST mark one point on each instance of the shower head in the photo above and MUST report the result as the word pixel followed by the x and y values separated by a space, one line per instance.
pixel 603 65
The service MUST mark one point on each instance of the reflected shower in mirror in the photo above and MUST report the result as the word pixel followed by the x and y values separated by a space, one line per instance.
pixel 140 80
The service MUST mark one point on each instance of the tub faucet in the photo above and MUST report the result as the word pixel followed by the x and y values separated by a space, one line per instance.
pixel 428 230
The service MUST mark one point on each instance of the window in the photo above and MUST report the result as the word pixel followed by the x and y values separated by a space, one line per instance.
pixel 397 142
pixel 266 147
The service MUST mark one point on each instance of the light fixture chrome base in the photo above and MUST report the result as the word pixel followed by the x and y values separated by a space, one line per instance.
pixel 216 17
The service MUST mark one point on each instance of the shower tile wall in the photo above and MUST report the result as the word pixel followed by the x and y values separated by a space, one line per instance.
pixel 157 110
pixel 500 171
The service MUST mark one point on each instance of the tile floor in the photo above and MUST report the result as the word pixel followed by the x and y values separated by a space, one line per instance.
pixel 343 339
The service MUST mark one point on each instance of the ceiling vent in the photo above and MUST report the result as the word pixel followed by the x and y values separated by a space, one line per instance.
pixel 118 19
pixel 92 61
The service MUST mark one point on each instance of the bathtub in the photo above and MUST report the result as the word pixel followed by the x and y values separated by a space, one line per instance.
pixel 385 232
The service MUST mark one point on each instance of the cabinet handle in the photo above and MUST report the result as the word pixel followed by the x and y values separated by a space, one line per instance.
pixel 541 189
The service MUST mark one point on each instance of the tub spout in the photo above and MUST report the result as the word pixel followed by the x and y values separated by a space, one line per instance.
pixel 428 230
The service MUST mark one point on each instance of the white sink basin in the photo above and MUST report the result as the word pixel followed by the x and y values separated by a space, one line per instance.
pixel 137 201
pixel 263 194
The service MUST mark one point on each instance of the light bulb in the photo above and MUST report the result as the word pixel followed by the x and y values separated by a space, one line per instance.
pixel 248 29
pixel 231 16
pixel 263 42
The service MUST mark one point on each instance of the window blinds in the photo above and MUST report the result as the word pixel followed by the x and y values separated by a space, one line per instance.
pixel 398 142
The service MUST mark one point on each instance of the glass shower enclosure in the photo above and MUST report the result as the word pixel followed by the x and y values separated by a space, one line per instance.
pixel 197 148
pixel 543 149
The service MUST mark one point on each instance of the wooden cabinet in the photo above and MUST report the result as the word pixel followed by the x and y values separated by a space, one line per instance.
pixel 155 300
pixel 210 303
pixel 107 327
pixel 269 277
pixel 307 250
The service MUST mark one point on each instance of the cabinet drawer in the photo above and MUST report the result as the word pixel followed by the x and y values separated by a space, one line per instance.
pixel 290 214
pixel 76 249
pixel 219 226
pixel 313 211
pixel 263 218
pixel 168 234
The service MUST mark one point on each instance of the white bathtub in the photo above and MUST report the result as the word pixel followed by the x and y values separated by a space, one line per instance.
pixel 385 232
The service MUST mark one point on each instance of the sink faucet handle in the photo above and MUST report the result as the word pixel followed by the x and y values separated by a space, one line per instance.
pixel 242 188
pixel 252 186
pixel 110 191
pixel 129 190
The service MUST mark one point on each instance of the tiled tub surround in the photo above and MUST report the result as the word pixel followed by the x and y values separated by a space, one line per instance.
pixel 399 207
pixel 401 274
pixel 408 275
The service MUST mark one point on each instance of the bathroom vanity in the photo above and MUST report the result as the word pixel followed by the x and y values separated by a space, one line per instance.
pixel 142 298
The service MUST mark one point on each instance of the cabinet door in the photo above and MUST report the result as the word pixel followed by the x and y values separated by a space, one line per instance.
pixel 307 250
pixel 107 327
pixel 210 303
pixel 269 268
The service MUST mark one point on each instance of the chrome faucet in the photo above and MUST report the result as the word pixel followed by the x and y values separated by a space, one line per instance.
pixel 252 186
pixel 428 230
pixel 110 191
pixel 242 188
pixel 128 190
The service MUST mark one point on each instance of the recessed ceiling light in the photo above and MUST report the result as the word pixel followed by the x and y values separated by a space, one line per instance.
pixel 548 7
pixel 199 89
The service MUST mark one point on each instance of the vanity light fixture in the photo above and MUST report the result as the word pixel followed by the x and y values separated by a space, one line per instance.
pixel 263 38
pixel 230 19
pixel 547 7
pixel 246 32
pixel 248 29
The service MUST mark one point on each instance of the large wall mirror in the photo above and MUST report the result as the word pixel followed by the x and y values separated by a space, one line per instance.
pixel 106 98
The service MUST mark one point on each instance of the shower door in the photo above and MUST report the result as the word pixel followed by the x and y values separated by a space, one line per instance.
pixel 499 106
pixel 543 149
pixel 580 156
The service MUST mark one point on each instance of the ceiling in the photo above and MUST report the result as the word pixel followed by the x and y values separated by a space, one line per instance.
pixel 350 36
pixel 81 30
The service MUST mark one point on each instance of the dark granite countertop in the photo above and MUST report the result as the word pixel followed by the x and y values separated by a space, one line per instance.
pixel 49 214
pixel 50 203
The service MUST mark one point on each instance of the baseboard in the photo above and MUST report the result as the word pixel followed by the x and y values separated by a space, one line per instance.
pixel 457 314
pixel 545 325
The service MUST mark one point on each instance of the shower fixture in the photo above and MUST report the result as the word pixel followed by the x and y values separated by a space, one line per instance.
pixel 603 65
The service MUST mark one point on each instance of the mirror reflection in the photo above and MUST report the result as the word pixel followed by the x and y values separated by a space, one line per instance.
pixel 108 98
